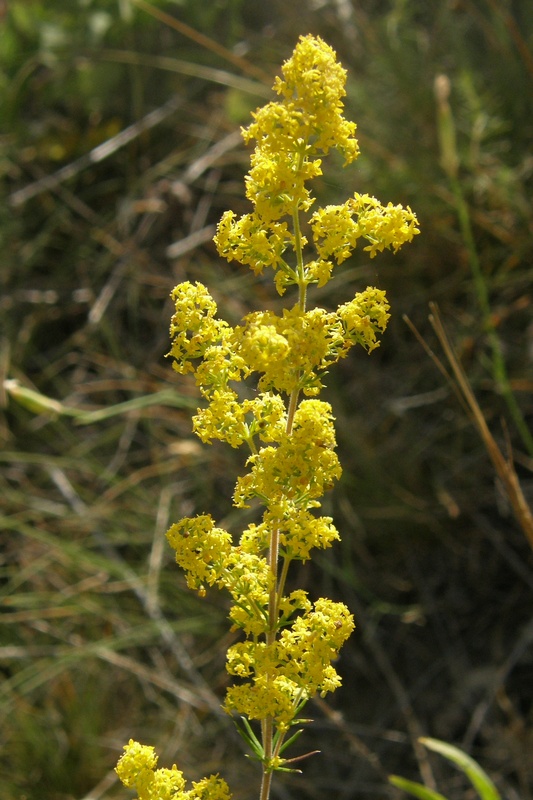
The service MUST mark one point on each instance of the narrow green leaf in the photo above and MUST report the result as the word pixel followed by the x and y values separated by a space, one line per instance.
pixel 415 789
pixel 33 401
pixel 246 733
pixel 478 777
pixel 165 397
pixel 39 403
pixel 290 741
pixel 286 769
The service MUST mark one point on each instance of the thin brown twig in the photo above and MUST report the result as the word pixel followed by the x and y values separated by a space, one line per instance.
pixel 191 69
pixel 438 363
pixel 205 41
pixel 504 466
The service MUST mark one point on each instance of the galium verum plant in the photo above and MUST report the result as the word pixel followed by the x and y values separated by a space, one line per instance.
pixel 288 643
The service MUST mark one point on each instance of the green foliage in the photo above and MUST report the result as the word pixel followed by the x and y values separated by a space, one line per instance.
pixel 415 789
pixel 478 778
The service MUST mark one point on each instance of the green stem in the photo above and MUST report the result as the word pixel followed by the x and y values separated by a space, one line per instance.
pixel 266 781
pixel 283 578
pixel 293 405
pixel 267 726
pixel 302 284
pixel 302 302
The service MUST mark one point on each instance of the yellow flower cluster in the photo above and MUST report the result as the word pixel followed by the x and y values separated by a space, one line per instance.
pixel 291 134
pixel 289 643
pixel 137 769
pixel 302 466
pixel 291 352
pixel 306 122
pixel 292 461
pixel 202 550
pixel 336 229
pixel 299 531
pixel 296 666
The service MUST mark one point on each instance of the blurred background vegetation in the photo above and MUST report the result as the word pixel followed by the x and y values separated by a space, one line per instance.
pixel 119 150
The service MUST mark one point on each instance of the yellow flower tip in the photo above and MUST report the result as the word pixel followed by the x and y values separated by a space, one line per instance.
pixel 136 759
pixel 202 550
pixel 312 70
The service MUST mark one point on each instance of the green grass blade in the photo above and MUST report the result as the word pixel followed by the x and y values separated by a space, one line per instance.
pixel 479 779
pixel 415 789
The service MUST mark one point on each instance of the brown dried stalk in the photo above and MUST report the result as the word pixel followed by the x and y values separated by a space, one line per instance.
pixel 503 466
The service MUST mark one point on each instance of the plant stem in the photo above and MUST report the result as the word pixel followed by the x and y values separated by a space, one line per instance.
pixel 266 781
pixel 267 727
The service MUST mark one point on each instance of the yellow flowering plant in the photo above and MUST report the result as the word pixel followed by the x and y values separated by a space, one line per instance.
pixel 289 643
